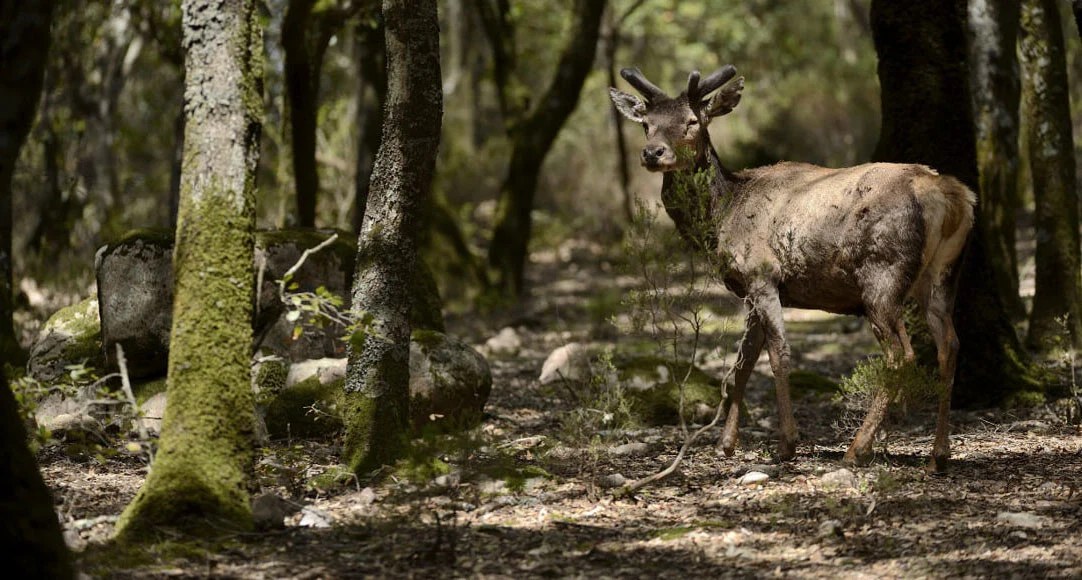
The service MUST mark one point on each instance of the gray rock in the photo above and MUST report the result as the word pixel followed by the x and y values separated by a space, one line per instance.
pixel 326 370
pixel 506 343
pixel 135 295
pixel 66 416
pixel 611 480
pixel 753 478
pixel 449 381
pixel 831 529
pixel 633 449
pixel 270 511
pixel 570 362
pixel 1023 519
pixel 152 411
pixel 135 291
pixel 771 470
pixel 71 336
pixel 313 518
pixel 842 478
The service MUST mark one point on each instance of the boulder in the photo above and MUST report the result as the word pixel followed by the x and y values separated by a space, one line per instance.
pixel 449 381
pixel 135 292
pixel 506 343
pixel 135 298
pixel 570 362
pixel 71 336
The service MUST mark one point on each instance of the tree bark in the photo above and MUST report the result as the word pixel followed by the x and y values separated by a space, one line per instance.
pixel 1046 106
pixel 372 89
pixel 1076 7
pixel 531 139
pixel 993 34
pixel 198 481
pixel 30 531
pixel 24 45
pixel 927 118
pixel 376 406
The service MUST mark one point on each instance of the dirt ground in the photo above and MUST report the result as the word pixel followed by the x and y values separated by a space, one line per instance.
pixel 1010 506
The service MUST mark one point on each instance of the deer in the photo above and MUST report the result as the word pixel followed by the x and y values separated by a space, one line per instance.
pixel 859 240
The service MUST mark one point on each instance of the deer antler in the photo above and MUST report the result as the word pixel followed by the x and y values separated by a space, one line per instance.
pixel 635 78
pixel 698 89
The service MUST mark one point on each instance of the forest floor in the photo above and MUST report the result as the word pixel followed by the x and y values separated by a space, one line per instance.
pixel 524 498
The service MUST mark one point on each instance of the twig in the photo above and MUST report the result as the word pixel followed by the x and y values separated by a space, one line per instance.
pixel 631 487
pixel 300 262
pixel 125 385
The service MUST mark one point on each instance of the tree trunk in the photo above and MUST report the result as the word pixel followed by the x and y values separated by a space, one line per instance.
pixel 993 33
pixel 1046 106
pixel 376 406
pixel 531 140
pixel 24 45
pixel 198 481
pixel 372 89
pixel 30 531
pixel 612 40
pixel 1076 7
pixel 303 105
pixel 927 119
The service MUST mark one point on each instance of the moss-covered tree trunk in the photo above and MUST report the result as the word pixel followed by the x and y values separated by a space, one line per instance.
pixel 927 118
pixel 24 45
pixel 1046 108
pixel 993 73
pixel 29 530
pixel 532 135
pixel 377 379
pixel 198 481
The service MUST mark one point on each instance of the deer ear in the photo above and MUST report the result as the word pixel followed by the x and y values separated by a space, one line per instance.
pixel 725 100
pixel 629 106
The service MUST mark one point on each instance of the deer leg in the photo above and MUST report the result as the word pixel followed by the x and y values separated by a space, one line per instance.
pixel 941 325
pixel 890 330
pixel 767 305
pixel 750 347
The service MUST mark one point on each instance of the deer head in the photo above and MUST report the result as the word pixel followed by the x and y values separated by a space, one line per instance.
pixel 676 135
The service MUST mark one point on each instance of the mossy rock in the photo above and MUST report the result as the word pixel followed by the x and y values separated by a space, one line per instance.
pixel 652 383
pixel 145 390
pixel 71 336
pixel 449 381
pixel 290 413
pixel 268 379
pixel 803 382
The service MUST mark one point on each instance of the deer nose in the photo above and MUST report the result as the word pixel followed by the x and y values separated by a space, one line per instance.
pixel 653 153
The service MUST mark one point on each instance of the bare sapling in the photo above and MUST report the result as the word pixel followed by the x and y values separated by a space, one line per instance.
pixel 859 240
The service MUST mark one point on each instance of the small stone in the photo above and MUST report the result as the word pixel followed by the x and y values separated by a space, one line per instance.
pixel 1023 519
pixel 269 511
pixel 752 478
pixel 448 480
pixel 629 449
pixel 771 470
pixel 842 478
pixel 831 529
pixel 75 542
pixel 505 343
pixel 313 518
pixel 570 362
pixel 611 480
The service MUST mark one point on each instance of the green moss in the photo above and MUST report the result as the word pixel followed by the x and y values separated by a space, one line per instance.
pixel 291 412
pixel 80 322
pixel 1025 400
pixel 344 248
pixel 334 478
pixel 198 483
pixel 367 445
pixel 809 382
pixel 144 391
pixel 670 534
pixel 660 404
pixel 427 339
pixel 269 380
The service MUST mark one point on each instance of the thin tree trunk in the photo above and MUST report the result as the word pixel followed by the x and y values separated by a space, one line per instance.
pixel 993 33
pixel 376 405
pixel 927 118
pixel 612 40
pixel 24 45
pixel 303 106
pixel 199 479
pixel 531 139
pixel 29 529
pixel 1046 106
